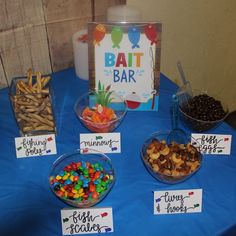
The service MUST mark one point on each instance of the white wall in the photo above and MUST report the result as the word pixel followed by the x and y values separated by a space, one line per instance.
pixel 202 34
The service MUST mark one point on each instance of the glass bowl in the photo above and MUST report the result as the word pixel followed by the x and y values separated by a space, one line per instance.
pixel 170 162
pixel 81 178
pixel 100 111
pixel 202 111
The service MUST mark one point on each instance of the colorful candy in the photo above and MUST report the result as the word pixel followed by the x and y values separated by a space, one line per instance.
pixel 99 118
pixel 81 181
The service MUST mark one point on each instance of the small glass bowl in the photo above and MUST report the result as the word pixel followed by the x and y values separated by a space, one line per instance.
pixel 82 178
pixel 193 123
pixel 168 167
pixel 90 101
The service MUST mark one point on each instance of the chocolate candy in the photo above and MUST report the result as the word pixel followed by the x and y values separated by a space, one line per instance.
pixel 202 112
pixel 81 182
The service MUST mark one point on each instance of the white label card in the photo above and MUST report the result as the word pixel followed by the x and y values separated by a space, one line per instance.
pixel 101 142
pixel 86 221
pixel 217 144
pixel 177 201
pixel 39 145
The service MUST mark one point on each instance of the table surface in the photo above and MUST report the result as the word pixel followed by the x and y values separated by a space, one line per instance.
pixel 28 207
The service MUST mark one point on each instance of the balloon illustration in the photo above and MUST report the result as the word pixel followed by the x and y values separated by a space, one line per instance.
pixel 134 36
pixel 151 33
pixel 99 34
pixel 116 36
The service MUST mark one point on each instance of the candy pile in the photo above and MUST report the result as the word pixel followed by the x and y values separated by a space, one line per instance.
pixel 81 181
pixel 99 118
pixel 204 107
pixel 202 112
pixel 99 114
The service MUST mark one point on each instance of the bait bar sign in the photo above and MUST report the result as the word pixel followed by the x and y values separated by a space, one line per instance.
pixel 126 56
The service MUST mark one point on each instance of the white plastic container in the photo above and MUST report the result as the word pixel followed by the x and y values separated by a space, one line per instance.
pixel 80 50
pixel 123 13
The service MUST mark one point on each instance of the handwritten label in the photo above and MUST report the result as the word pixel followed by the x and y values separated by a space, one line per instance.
pixel 177 201
pixel 86 221
pixel 40 145
pixel 213 143
pixel 101 142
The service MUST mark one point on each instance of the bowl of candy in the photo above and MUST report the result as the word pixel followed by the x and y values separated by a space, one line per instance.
pixel 201 111
pixel 82 178
pixel 169 161
pixel 100 111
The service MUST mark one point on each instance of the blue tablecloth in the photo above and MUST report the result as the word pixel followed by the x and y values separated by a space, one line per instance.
pixel 28 207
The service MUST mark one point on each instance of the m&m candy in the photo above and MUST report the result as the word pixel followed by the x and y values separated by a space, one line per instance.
pixel 81 182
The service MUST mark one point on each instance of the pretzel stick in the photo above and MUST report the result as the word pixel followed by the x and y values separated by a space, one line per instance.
pixel 45 91
pixel 42 106
pixel 33 97
pixel 30 110
pixel 43 120
pixel 49 117
pixel 39 85
pixel 28 119
pixel 45 80
pixel 30 77
pixel 49 109
pixel 37 128
pixel 23 88
pixel 25 103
